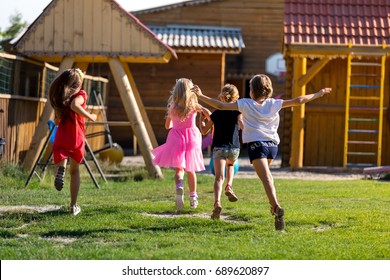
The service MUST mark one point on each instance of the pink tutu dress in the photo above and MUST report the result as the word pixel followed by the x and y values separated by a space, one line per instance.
pixel 182 148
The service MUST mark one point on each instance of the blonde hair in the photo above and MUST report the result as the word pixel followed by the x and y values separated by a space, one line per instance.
pixel 182 100
pixel 261 86
pixel 229 93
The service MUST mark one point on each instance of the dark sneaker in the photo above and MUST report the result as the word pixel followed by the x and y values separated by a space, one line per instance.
pixel 216 211
pixel 230 194
pixel 279 219
pixel 59 179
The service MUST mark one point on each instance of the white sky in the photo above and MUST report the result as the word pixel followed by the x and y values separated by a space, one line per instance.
pixel 31 9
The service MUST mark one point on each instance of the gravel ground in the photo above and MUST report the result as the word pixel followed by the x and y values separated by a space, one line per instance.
pixel 246 170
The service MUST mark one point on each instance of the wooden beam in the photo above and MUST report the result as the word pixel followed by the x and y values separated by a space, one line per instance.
pixel 83 66
pixel 140 105
pixel 42 130
pixel 298 112
pixel 134 115
pixel 314 69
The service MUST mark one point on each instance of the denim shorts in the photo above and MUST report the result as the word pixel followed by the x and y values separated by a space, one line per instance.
pixel 226 152
pixel 262 149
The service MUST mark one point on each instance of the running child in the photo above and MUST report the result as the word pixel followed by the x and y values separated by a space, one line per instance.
pixel 225 146
pixel 261 121
pixel 182 149
pixel 69 103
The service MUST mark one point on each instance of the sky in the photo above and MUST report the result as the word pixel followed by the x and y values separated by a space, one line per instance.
pixel 31 9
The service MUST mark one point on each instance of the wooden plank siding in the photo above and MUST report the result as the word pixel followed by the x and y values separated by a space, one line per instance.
pixel 90 30
pixel 18 129
pixel 154 83
pixel 324 118
pixel 261 24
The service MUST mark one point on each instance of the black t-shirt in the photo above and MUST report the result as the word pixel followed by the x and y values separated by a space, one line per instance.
pixel 225 128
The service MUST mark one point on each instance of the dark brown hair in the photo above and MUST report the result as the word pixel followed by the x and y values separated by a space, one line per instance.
pixel 62 89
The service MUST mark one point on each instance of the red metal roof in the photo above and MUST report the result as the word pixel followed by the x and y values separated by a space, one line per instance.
pixel 339 22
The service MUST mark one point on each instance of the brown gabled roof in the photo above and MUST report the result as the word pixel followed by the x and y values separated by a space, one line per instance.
pixel 91 29
pixel 337 22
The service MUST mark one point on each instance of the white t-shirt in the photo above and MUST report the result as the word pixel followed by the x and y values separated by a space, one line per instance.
pixel 261 121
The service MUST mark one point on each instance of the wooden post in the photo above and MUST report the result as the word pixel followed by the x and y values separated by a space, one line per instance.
pixel 134 115
pixel 141 107
pixel 297 139
pixel 42 130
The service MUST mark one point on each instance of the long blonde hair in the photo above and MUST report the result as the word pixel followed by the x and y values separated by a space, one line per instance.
pixel 182 100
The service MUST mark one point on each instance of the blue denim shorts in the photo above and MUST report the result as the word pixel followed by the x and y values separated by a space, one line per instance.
pixel 226 152
pixel 262 149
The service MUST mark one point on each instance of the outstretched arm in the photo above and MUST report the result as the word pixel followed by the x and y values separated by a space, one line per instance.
pixel 214 102
pixel 305 98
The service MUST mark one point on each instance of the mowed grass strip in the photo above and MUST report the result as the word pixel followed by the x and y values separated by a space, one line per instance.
pixel 134 218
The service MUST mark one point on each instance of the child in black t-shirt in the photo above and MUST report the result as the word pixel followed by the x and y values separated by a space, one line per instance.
pixel 225 145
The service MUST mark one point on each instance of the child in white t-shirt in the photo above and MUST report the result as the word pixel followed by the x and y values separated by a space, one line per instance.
pixel 261 121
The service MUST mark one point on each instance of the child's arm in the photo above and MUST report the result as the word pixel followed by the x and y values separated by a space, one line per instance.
pixel 205 127
pixel 305 98
pixel 214 102
pixel 240 122
pixel 76 107
pixel 168 123
pixel 205 112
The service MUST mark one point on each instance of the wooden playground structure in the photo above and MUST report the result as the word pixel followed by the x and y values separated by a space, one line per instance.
pixel 76 33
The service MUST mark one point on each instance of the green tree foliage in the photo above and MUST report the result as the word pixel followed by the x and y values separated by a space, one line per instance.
pixel 16 25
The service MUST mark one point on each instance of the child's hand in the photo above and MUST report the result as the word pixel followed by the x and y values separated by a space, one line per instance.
pixel 324 91
pixel 195 89
pixel 93 117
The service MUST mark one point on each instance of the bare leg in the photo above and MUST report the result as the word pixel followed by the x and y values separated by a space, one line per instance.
pixel 74 171
pixel 179 175
pixel 191 181
pixel 262 169
pixel 264 173
pixel 229 181
pixel 229 172
pixel 219 165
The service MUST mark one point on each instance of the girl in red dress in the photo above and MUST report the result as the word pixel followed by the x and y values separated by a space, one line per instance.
pixel 69 103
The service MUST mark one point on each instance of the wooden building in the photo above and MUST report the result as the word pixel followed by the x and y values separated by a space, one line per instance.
pixel 217 41
pixel 78 33
pixel 24 87
pixel 344 45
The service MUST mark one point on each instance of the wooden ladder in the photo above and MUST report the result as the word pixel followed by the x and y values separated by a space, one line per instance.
pixel 364 110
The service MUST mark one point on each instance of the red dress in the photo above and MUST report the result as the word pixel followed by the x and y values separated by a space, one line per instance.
pixel 69 140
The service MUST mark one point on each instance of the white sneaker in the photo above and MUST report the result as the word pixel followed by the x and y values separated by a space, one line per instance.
pixel 75 210
pixel 179 199
pixel 194 202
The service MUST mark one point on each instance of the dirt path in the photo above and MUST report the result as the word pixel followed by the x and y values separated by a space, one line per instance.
pixel 246 170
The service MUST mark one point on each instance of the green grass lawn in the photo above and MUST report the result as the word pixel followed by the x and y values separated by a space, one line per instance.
pixel 134 219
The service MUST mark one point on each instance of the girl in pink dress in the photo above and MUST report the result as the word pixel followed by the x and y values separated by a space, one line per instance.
pixel 69 103
pixel 182 149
